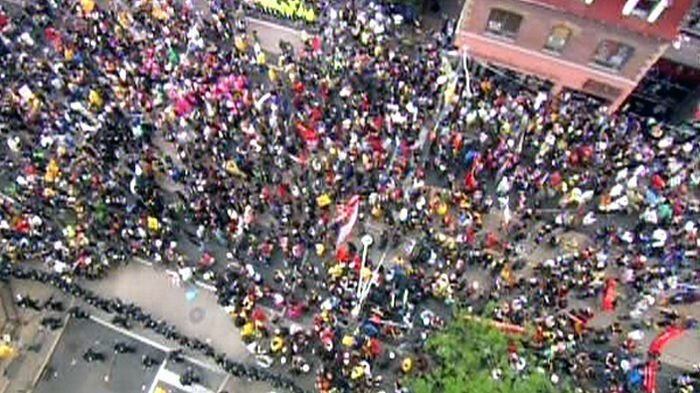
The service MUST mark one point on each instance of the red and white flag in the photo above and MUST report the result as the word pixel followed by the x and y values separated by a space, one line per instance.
pixel 347 216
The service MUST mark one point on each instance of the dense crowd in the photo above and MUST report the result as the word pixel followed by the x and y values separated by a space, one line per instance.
pixel 148 129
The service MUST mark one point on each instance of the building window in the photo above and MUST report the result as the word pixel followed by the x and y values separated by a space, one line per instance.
pixel 558 38
pixel 612 54
pixel 504 23
pixel 650 10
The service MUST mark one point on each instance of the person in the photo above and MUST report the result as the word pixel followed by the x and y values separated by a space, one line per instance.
pixel 133 133
pixel 93 356
pixel 148 361
pixel 124 348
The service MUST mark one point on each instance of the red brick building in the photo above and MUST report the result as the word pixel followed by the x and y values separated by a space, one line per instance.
pixel 600 47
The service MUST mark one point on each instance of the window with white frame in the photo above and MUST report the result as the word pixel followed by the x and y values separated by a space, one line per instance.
pixel 650 10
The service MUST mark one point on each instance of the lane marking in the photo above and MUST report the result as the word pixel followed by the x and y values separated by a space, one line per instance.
pixel 223 383
pixel 152 343
pixel 155 378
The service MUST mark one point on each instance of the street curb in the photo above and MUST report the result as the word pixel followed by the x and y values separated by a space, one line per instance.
pixel 274 25
pixel 199 283
pixel 49 354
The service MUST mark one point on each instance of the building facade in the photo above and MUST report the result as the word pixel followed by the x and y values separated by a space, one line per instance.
pixel 599 47
pixel 670 90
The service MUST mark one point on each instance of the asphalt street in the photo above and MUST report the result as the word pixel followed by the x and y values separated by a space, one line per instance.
pixel 67 371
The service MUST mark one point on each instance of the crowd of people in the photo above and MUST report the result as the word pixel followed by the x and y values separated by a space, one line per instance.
pixel 163 130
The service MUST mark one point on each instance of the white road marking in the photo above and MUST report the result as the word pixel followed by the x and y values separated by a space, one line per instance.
pixel 223 383
pixel 151 343
pixel 273 25
pixel 155 379
pixel 173 379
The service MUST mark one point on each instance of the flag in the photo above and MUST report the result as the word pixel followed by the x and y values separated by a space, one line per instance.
pixel 347 216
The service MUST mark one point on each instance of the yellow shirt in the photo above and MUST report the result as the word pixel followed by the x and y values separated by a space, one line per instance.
pixel 95 99
pixel 88 5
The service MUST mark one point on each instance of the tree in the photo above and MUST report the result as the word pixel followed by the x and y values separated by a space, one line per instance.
pixel 466 353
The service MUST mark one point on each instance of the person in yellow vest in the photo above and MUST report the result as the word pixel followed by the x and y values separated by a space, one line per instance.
pixel 323 200
pixel 233 169
pixel 348 341
pixel 407 365
pixel 248 331
pixel 88 6
pixel 277 344
pixel 153 224
pixel 7 351
pixel 336 271
pixel 441 208
pixel 377 211
pixel 320 249
pixel 69 53
pixel 52 171
pixel 272 74
pixel 240 43
pixel 261 58
pixel 95 99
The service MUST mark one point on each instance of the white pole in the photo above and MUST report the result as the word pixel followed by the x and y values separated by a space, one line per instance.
pixel 366 241
pixel 466 74
pixel 365 291
pixel 368 286
pixel 359 275
pixel 458 28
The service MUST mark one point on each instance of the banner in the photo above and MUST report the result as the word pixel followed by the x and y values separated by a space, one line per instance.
pixel 663 339
pixel 347 216
pixel 290 9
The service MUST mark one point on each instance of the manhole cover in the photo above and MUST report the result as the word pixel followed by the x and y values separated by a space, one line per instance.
pixel 197 314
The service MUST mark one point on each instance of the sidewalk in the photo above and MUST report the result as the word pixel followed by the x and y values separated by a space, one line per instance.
pixel 34 343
